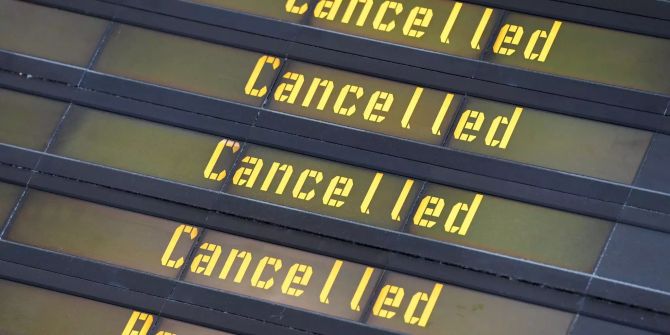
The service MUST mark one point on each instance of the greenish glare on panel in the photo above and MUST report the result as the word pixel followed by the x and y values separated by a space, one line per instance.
pixel 182 63
pixel 459 311
pixel 27 310
pixel 9 194
pixel 324 187
pixel 270 8
pixel 179 328
pixel 97 232
pixel 363 102
pixel 49 33
pixel 554 141
pixel 283 275
pixel 512 228
pixel 28 121
pixel 438 25
pixel 138 146
pixel 584 52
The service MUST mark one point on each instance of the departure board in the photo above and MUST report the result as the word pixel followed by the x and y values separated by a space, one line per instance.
pixel 462 29
pixel 252 167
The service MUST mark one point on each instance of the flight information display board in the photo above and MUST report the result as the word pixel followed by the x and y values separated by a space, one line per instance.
pixel 462 29
pixel 159 155
pixel 469 124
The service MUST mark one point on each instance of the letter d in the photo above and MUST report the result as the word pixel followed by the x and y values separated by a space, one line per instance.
pixel 538 34
pixel 470 211
pixel 490 139
pixel 422 321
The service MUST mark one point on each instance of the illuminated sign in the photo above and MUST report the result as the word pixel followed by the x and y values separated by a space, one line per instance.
pixel 343 191
pixel 412 112
pixel 265 271
pixel 477 32
pixel 386 280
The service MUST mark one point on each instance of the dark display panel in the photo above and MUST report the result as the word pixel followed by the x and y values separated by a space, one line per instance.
pixel 169 60
pixel 466 30
pixel 28 310
pixel 107 234
pixel 53 34
pixel 28 121
pixel 145 147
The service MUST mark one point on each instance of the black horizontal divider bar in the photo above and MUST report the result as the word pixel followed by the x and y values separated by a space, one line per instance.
pixel 437 164
pixel 649 8
pixel 38 68
pixel 385 249
pixel 531 83
pixel 584 12
pixel 161 296
pixel 383 60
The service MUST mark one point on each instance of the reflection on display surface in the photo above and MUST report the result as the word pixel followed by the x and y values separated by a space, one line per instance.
pixel 85 229
pixel 26 120
pixel 28 310
pixel 49 33
pixel 508 38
